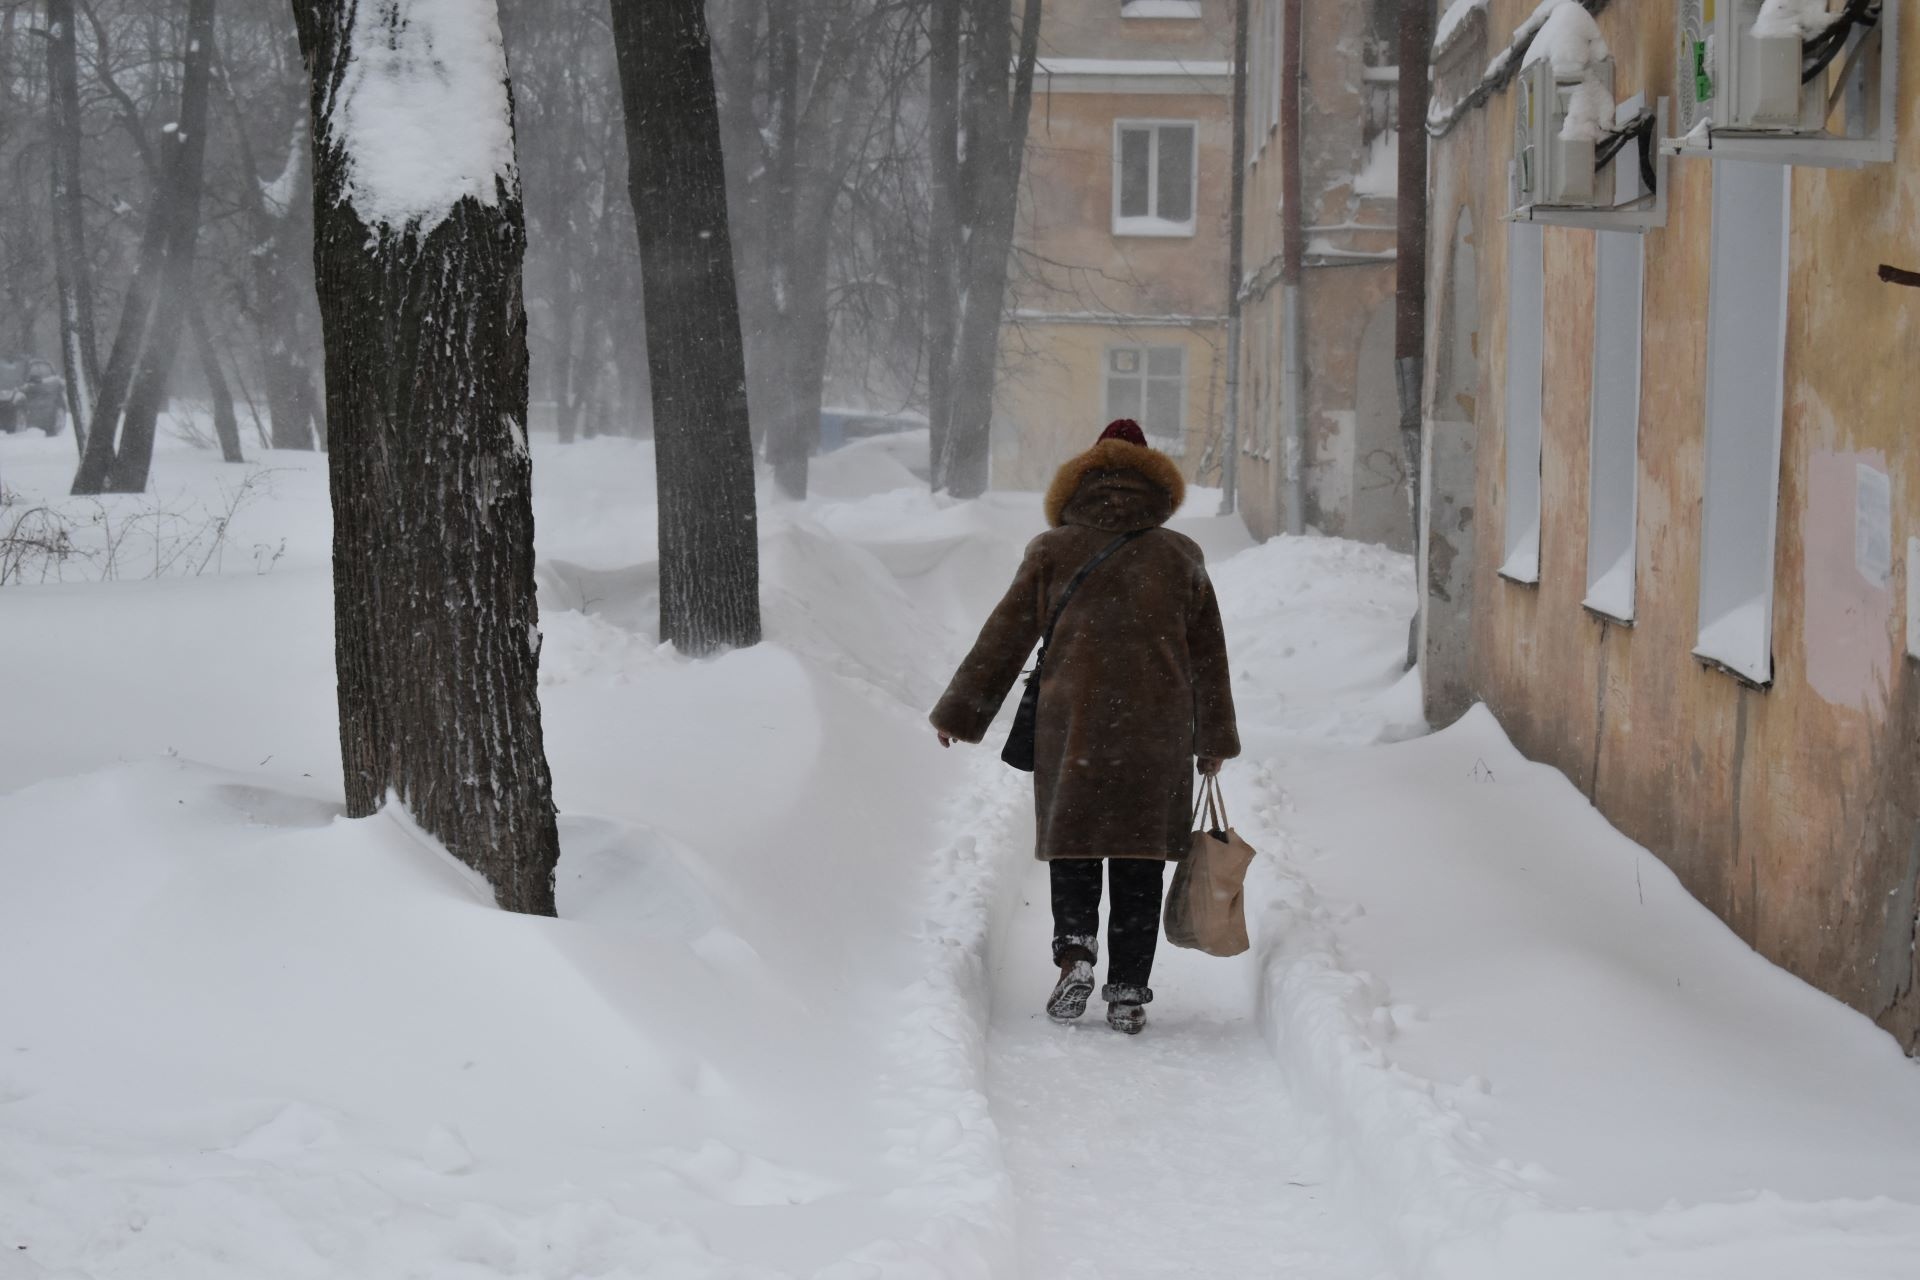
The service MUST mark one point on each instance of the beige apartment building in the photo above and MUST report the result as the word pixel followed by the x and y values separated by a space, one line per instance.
pixel 1119 278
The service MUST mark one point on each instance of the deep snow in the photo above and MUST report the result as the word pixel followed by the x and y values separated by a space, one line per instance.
pixel 788 1023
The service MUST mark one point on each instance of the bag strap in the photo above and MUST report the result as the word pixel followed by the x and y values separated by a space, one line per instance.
pixel 1073 585
pixel 1214 801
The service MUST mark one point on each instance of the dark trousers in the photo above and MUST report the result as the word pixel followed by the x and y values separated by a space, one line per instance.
pixel 1133 922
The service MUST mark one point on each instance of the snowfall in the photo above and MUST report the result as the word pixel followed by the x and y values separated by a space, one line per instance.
pixel 789 1022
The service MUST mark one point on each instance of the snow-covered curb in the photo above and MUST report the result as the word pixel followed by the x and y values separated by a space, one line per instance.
pixel 1406 1156
pixel 1412 1164
pixel 946 1136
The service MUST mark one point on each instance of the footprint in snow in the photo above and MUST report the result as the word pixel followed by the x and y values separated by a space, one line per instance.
pixel 294 1128
pixel 739 1178
pixel 446 1152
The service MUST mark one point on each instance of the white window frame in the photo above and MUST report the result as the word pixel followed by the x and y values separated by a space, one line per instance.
pixel 1526 354
pixel 1747 292
pixel 1173 446
pixel 1613 439
pixel 1152 224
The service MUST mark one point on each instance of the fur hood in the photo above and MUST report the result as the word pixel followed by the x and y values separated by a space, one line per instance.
pixel 1118 486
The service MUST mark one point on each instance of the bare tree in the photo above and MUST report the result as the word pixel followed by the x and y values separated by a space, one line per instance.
pixel 993 117
pixel 709 540
pixel 119 447
pixel 436 629
pixel 73 272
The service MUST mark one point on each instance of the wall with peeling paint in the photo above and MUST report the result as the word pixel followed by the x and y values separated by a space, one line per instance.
pixel 1355 472
pixel 1793 811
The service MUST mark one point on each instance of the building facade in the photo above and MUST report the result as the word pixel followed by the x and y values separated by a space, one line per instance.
pixel 1339 449
pixel 1675 505
pixel 1119 277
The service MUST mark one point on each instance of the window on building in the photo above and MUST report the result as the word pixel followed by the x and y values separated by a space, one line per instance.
pixel 1746 364
pixel 1149 385
pixel 1526 305
pixel 1614 448
pixel 1153 178
pixel 1160 8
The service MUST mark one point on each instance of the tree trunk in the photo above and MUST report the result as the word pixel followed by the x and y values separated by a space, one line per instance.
pixel 73 271
pixel 292 405
pixel 998 138
pixel 436 630
pixel 119 450
pixel 226 426
pixel 709 539
pixel 943 230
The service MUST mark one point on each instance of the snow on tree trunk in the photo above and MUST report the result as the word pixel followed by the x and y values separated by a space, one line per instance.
pixel 119 448
pixel 709 539
pixel 72 268
pixel 418 248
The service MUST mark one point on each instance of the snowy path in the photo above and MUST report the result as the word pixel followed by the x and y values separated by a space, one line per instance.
pixel 1168 1154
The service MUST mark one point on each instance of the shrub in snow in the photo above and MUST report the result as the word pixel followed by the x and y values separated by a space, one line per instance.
pixel 1570 39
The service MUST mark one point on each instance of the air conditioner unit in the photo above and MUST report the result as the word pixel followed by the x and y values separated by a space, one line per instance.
pixel 1757 93
pixel 1550 171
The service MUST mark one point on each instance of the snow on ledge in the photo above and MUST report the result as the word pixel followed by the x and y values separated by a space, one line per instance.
pixel 422 111
pixel 1160 9
pixel 1172 67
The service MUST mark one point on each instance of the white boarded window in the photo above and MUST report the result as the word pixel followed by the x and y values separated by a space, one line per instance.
pixel 1149 385
pixel 1153 178
pixel 1746 363
pixel 1620 261
pixel 1526 305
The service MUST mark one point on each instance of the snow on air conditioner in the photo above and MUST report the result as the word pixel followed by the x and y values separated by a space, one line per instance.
pixel 1568 132
pixel 1787 81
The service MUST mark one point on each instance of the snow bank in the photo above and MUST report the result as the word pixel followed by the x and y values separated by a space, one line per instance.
pixel 264 1040
pixel 422 110
pixel 1548 1058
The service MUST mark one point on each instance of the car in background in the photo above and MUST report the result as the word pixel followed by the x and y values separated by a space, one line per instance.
pixel 840 427
pixel 32 396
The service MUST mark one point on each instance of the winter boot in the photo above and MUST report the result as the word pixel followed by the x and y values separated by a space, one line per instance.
pixel 1070 994
pixel 1126 1006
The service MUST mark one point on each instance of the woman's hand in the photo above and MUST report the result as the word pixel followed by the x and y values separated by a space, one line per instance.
pixel 1208 766
pixel 946 740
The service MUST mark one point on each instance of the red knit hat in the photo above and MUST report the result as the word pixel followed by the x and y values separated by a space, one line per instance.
pixel 1125 429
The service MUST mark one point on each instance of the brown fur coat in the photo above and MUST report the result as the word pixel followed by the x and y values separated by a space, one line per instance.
pixel 1136 682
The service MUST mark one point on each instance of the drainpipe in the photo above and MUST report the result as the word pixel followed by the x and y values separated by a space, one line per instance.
pixel 1293 251
pixel 1236 256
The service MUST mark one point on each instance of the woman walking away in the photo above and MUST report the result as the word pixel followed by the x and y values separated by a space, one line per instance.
pixel 1133 689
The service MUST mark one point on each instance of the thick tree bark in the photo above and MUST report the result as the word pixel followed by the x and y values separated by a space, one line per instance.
pixel 709 539
pixel 119 448
pixel 436 630
pixel 73 272
pixel 996 141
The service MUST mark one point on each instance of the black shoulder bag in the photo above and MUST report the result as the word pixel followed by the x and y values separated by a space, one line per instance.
pixel 1019 748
